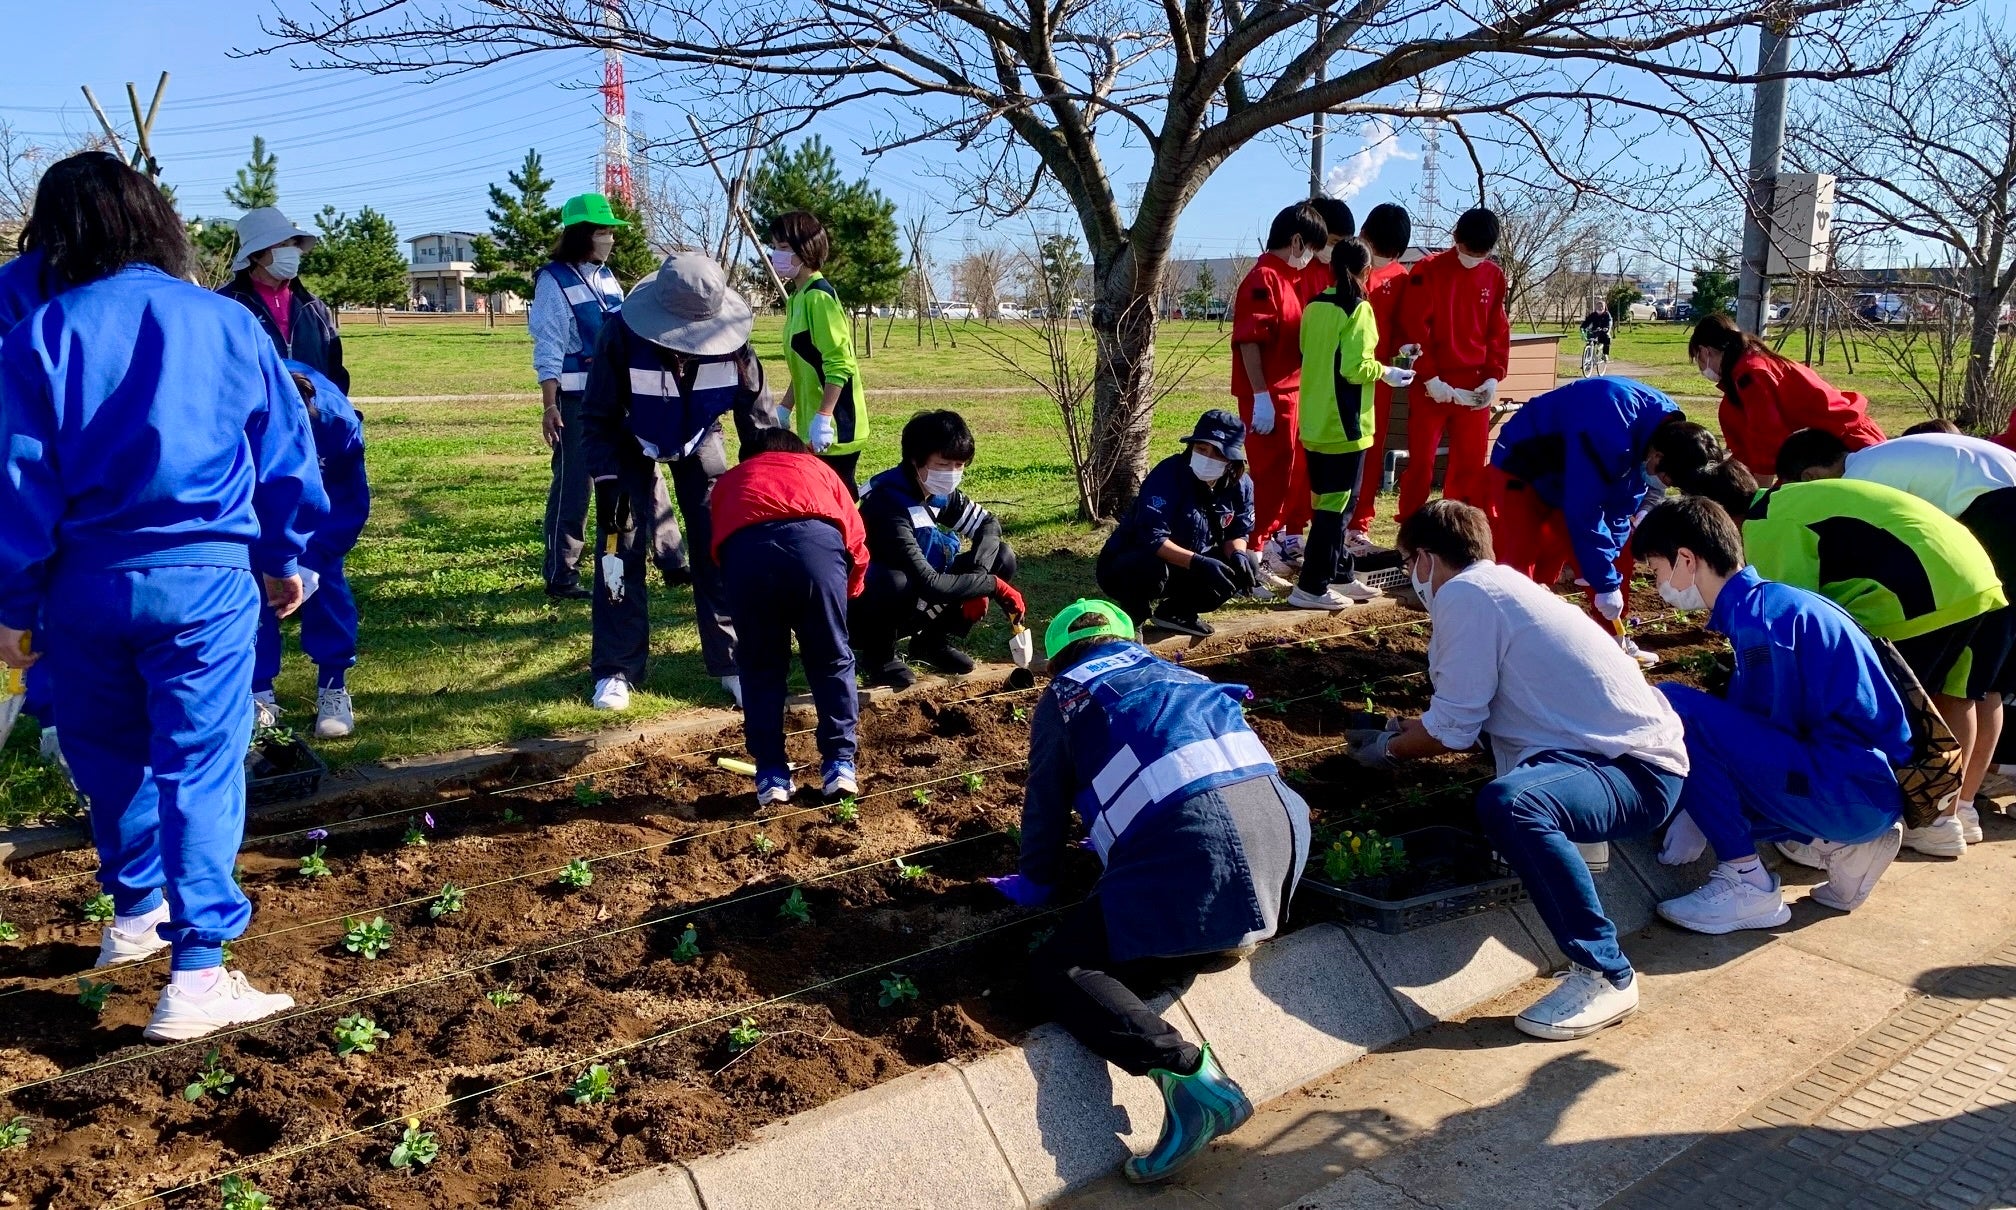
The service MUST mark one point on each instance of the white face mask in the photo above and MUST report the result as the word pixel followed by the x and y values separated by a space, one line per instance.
pixel 1300 259
pixel 1688 598
pixel 602 244
pixel 285 263
pixel 1468 261
pixel 784 261
pixel 942 483
pixel 1425 589
pixel 1713 376
pixel 1328 251
pixel 1206 468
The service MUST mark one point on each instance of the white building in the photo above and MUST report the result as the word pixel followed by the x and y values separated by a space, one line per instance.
pixel 439 271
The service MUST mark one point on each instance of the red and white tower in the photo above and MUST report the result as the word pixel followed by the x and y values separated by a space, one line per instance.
pixel 615 119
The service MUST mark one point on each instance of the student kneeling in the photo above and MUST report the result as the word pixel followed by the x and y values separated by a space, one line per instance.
pixel 1586 751
pixel 1202 844
pixel 1802 749
pixel 1181 549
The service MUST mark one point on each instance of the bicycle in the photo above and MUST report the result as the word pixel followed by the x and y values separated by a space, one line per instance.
pixel 1595 357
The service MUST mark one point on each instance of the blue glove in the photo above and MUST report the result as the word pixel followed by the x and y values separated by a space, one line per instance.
pixel 825 433
pixel 1021 891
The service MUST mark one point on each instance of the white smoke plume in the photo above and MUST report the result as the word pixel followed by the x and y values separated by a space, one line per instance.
pixel 1380 143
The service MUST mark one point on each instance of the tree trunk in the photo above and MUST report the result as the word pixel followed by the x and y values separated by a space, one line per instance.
pixel 1980 411
pixel 1123 398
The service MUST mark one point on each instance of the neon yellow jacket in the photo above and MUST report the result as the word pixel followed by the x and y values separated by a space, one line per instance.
pixel 819 348
pixel 1338 373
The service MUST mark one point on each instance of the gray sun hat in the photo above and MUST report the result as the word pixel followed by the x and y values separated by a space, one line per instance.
pixel 266 228
pixel 687 307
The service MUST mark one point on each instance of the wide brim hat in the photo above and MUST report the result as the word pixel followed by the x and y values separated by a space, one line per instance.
pixel 688 307
pixel 266 228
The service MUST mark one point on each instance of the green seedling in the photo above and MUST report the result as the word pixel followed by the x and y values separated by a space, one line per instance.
pixel 1037 938
pixel 795 908
pixel 369 940
pixel 576 875
pixel 745 1035
pixel 417 1147
pixel 920 796
pixel 229 955
pixel 595 1086
pixel 503 997
pixel 510 815
pixel 414 838
pixel 1019 714
pixel 1014 831
pixel 279 737
pixel 585 794
pixel 92 993
pixel 448 902
pixel 688 948
pixel 241 1194
pixel 98 909
pixel 312 866
pixel 846 811
pixel 358 1033
pixel 213 1078
pixel 972 782
pixel 910 873
pixel 1332 694
pixel 896 989
pixel 1354 855
pixel 14 1133
pixel 762 844
pixel 7 930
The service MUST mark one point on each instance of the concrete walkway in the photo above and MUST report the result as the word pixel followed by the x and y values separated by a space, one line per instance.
pixel 1866 1060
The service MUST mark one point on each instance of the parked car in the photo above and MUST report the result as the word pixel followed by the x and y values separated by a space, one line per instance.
pixel 1683 311
pixel 1881 308
pixel 955 310
pixel 1779 310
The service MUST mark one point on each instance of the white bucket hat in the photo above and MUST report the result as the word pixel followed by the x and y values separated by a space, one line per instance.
pixel 687 306
pixel 266 228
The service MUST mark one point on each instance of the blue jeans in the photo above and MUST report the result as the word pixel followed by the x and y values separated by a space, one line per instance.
pixel 786 577
pixel 1536 815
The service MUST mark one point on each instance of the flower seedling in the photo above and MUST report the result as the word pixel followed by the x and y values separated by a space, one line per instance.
pixel 920 796
pixel 7 930
pixel 846 811
pixel 745 1035
pixel 417 1147
pixel 14 1133
pixel 1019 714
pixel 585 793
pixel 595 1086
pixel 241 1194
pixel 511 815
pixel 688 948
pixel 312 866
pixel 1352 856
pixel 229 955
pixel 762 844
pixel 972 782
pixel 896 989
pixel 503 997
pixel 448 902
pixel 98 909
pixel 358 1033
pixel 213 1078
pixel 910 873
pixel 576 874
pixel 415 838
pixel 92 993
pixel 369 940
pixel 795 907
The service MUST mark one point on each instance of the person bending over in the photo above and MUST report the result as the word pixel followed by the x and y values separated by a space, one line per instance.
pixel 1201 845
pixel 1585 750
pixel 921 584
pixel 1801 748
pixel 1180 552
pixel 1453 314
pixel 1766 396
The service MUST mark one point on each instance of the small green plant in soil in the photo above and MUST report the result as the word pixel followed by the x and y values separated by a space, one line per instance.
pixel 417 1148
pixel 313 866
pixel 92 993
pixel 415 838
pixel 1014 833
pixel 503 997
pixel 358 1034
pixel 846 811
pixel 595 1086
pixel 920 796
pixel 688 947
pixel 795 908
pixel 762 844
pixel 896 989
pixel 910 873
pixel 1019 714
pixel 1363 855
pixel 213 1077
pixel 576 875
pixel 368 940
pixel 229 955
pixel 241 1194
pixel 972 782
pixel 273 737
pixel 742 1037
pixel 7 930
pixel 586 795
pixel 98 909
pixel 510 815
pixel 14 1132
pixel 448 902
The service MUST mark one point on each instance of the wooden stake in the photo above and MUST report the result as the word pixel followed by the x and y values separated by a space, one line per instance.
pixel 741 216
pixel 104 122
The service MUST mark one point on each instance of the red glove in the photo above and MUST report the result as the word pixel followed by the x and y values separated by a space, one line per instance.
pixel 974 609
pixel 1011 601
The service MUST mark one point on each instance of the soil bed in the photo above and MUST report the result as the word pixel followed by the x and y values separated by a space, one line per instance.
pixel 596 971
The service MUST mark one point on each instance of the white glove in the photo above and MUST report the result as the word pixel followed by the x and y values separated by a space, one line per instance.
pixel 1263 412
pixel 1610 604
pixel 1487 394
pixel 612 576
pixel 310 581
pixel 1410 352
pixel 784 418
pixel 825 432
pixel 1022 647
pixel 1394 376
pixel 1440 391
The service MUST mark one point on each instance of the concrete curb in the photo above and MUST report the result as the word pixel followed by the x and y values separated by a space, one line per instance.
pixel 1023 1126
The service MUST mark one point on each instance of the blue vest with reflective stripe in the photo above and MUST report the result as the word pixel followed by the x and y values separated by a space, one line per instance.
pixel 938 532
pixel 1146 734
pixel 593 297
pixel 675 398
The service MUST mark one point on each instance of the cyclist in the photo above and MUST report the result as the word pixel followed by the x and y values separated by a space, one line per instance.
pixel 1596 332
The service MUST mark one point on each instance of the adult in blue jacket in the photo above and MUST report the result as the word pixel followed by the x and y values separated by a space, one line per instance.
pixel 1570 480
pixel 1801 751
pixel 155 468
pixel 329 615
pixel 1202 844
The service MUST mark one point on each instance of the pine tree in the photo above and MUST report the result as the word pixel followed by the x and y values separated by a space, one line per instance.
pixel 374 263
pixel 866 265
pixel 523 230
pixel 258 181
pixel 632 256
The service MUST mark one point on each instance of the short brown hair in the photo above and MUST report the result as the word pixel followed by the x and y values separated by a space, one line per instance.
pixel 802 233
pixel 1452 531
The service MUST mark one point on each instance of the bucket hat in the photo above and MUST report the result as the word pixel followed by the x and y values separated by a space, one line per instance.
pixel 686 306
pixel 266 228
pixel 1222 429
pixel 589 208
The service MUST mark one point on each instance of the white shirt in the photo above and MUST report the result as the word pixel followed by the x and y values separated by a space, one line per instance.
pixel 1515 662
pixel 1945 469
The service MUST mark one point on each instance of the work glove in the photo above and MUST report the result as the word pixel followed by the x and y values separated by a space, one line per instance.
pixel 1242 571
pixel 825 433
pixel 1263 412
pixel 1610 603
pixel 783 417
pixel 973 608
pixel 1487 394
pixel 1368 748
pixel 1440 391
pixel 1021 891
pixel 1011 601
pixel 1214 573
pixel 1396 377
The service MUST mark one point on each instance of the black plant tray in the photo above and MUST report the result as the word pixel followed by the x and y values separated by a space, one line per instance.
pixel 282 772
pixel 1450 873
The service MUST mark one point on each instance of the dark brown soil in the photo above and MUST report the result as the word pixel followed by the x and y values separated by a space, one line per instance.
pixel 669 838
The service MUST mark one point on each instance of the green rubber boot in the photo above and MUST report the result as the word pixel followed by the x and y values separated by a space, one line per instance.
pixel 1198 1108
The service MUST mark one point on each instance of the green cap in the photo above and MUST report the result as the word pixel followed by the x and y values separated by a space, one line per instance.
pixel 1062 634
pixel 589 208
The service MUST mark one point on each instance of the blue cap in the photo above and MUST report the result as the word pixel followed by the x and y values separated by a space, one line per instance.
pixel 1222 429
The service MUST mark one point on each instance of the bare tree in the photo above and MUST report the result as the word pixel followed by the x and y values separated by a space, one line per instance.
pixel 1033 95
pixel 1543 234
pixel 1929 151
pixel 979 276
pixel 22 162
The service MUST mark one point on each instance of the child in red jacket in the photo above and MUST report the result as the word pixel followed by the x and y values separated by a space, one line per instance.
pixel 1267 381
pixel 1767 397
pixel 1454 311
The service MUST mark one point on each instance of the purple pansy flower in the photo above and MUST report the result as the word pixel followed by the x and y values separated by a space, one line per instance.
pixel 318 833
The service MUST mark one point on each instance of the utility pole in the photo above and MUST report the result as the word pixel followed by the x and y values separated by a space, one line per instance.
pixel 1318 130
pixel 1767 146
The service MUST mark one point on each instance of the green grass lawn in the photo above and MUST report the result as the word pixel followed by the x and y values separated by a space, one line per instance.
pixel 460 646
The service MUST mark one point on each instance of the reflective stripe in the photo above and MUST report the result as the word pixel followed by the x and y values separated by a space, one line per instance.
pixel 573 381
pixel 716 375
pixel 1171 772
pixel 920 517
pixel 578 295
pixel 1109 780
pixel 652 382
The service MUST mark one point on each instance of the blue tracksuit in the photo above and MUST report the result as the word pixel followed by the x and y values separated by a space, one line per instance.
pixel 153 455
pixel 329 618
pixel 22 289
pixel 1805 743
pixel 1581 447
pixel 782 578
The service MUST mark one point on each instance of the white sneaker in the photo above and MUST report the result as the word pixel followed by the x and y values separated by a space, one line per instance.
pixel 180 1016
pixel 1684 841
pixel 1942 838
pixel 1286 548
pixel 1277 567
pixel 1329 599
pixel 1645 658
pixel 1265 583
pixel 118 945
pixel 1970 825
pixel 611 693
pixel 1358 543
pixel 1852 869
pixel 1726 904
pixel 333 717
pixel 265 710
pixel 1583 1002
pixel 1356 590
pixel 1805 853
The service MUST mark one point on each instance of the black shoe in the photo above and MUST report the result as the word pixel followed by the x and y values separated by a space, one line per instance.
pixel 569 592
pixel 1180 623
pixel 895 674
pixel 676 577
pixel 942 656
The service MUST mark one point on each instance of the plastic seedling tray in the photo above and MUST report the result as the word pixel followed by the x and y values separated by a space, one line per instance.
pixel 1450 873
pixel 277 771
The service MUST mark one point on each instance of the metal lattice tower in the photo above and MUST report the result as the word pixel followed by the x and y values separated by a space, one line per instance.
pixel 1430 194
pixel 615 115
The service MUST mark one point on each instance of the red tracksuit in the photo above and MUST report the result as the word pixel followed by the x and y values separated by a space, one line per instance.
pixel 1766 399
pixel 1458 317
pixel 1384 285
pixel 1268 312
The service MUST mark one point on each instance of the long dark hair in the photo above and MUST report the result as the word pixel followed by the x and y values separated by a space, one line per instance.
pixel 94 216
pixel 1348 262
pixel 1719 332
pixel 577 243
